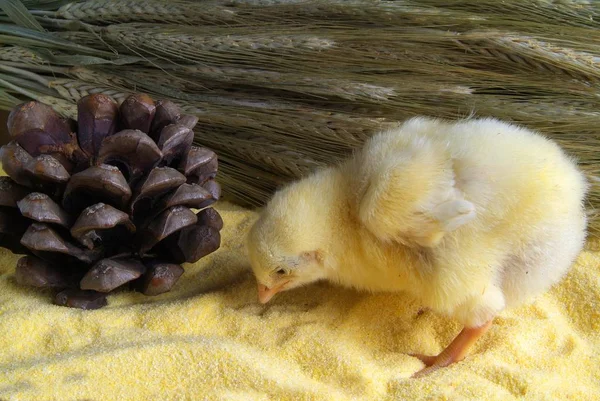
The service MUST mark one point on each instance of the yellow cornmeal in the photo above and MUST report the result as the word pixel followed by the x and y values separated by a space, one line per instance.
pixel 209 339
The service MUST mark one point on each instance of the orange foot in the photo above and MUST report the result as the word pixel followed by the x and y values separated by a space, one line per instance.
pixel 455 352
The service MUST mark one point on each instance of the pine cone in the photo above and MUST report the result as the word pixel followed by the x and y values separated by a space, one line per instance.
pixel 105 202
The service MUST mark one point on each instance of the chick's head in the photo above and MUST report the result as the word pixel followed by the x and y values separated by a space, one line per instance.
pixel 286 245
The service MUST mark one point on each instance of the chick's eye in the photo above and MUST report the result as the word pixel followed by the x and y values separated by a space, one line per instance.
pixel 280 272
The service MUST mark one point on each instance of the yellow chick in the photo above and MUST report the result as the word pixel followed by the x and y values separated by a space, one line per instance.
pixel 469 217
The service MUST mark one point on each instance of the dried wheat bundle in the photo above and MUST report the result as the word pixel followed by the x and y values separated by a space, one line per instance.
pixel 281 87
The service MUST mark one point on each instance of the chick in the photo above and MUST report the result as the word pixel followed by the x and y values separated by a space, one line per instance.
pixel 469 217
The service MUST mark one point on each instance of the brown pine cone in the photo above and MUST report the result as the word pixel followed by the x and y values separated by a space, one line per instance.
pixel 107 204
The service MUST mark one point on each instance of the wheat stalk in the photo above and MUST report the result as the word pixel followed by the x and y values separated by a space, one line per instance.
pixel 537 55
pixel 234 176
pixel 72 90
pixel 345 12
pixel 335 128
pixel 113 11
pixel 87 38
pixel 573 13
pixel 277 158
pixel 286 81
pixel 187 38
pixel 19 54
pixel 254 115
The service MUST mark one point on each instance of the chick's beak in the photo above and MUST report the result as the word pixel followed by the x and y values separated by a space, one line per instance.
pixel 265 293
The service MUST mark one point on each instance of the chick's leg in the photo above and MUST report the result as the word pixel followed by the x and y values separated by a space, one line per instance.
pixel 454 352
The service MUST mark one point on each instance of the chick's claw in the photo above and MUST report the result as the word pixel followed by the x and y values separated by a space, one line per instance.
pixel 426 371
pixel 432 364
pixel 455 352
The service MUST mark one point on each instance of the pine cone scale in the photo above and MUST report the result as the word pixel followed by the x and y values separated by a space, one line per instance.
pixel 97 119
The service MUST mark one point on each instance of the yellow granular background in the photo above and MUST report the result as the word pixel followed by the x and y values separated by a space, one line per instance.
pixel 209 339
